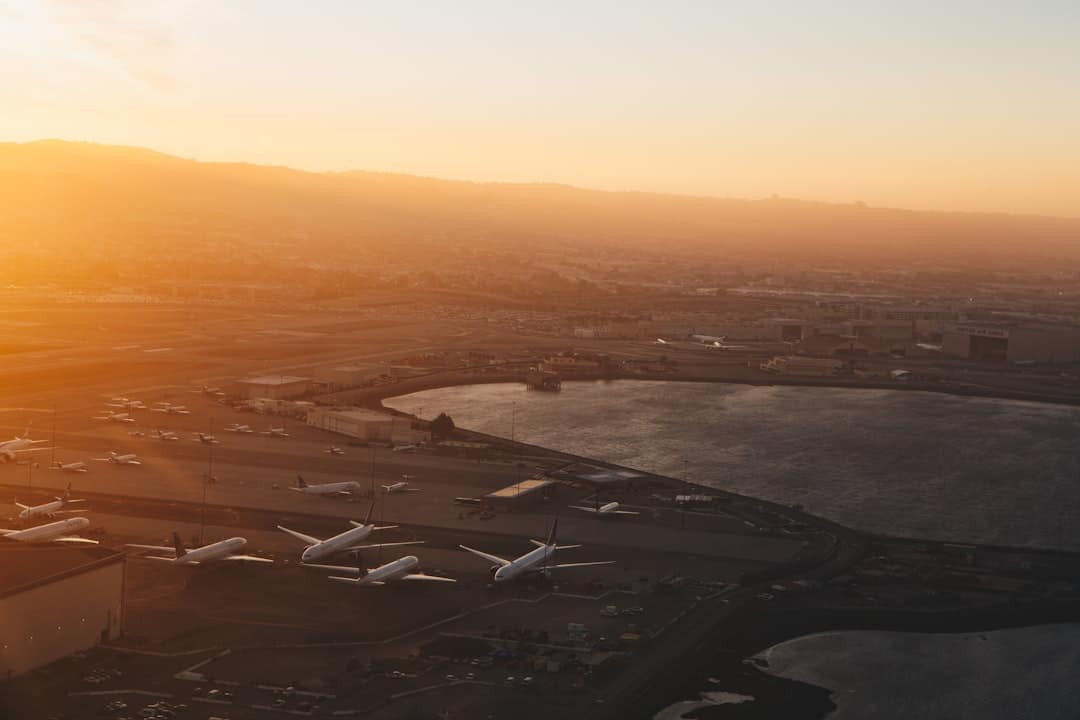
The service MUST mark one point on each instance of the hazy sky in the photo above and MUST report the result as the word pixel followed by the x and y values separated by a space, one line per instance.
pixel 937 104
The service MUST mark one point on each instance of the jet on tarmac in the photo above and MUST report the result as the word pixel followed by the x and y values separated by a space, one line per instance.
pixel 537 561
pixel 59 531
pixel 11 449
pixel 49 509
pixel 126 459
pixel 221 551
pixel 334 488
pixel 610 509
pixel 401 569
pixel 317 549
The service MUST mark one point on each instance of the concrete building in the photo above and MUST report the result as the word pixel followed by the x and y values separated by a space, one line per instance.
pixel 273 387
pixel 924 319
pixel 1013 342
pixel 56 601
pixel 367 425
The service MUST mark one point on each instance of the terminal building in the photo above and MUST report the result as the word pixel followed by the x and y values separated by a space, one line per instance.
pixel 1013 343
pixel 56 601
pixel 271 387
pixel 367 425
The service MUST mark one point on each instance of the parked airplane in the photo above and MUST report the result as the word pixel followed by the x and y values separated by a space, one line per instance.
pixel 334 450
pixel 223 550
pixel 127 459
pixel 402 486
pixel 126 403
pixel 316 549
pixel 165 435
pixel 215 391
pixel 276 432
pixel 110 416
pixel 405 448
pixel 610 509
pixel 11 449
pixel 660 341
pixel 237 428
pixel 334 488
pixel 75 467
pixel 166 407
pixel 537 561
pixel 400 569
pixel 49 509
pixel 205 439
pixel 59 531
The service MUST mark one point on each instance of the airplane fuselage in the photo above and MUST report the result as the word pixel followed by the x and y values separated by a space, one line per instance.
pixel 44 510
pixel 50 531
pixel 212 552
pixel 338 543
pixel 529 562
pixel 330 488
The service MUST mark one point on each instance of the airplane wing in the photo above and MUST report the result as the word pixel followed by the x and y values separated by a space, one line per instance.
pixel 69 512
pixel 166 559
pixel 487 556
pixel 562 566
pixel 248 558
pixel 29 450
pixel 76 541
pixel 21 506
pixel 626 512
pixel 6 531
pixel 354 581
pixel 333 568
pixel 541 543
pixel 422 576
pixel 133 462
pixel 300 536
pixel 586 509
pixel 155 548
pixel 355 548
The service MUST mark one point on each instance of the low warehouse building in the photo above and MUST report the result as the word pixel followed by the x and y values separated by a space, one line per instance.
pixel 367 425
pixel 56 601
pixel 272 387
pixel 1013 342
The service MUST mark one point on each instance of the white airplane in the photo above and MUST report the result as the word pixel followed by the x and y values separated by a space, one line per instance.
pixel 400 569
pixel 402 486
pixel 660 341
pixel 317 549
pixel 215 391
pixel 110 416
pixel 127 459
pixel 276 432
pixel 205 439
pixel 165 435
pixel 610 509
pixel 220 551
pixel 334 450
pixel 49 509
pixel 537 561
pixel 237 428
pixel 333 488
pixel 405 448
pixel 11 449
pixel 166 407
pixel 74 467
pixel 126 403
pixel 59 531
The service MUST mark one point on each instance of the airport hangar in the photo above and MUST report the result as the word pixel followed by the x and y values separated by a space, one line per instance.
pixel 272 387
pixel 1013 342
pixel 367 425
pixel 56 601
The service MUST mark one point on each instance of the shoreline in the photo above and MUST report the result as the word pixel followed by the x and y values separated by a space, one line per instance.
pixel 374 396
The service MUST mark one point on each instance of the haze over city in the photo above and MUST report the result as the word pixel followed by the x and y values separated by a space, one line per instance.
pixel 956 106
pixel 593 361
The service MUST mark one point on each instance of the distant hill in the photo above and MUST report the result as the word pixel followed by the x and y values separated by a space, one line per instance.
pixel 77 195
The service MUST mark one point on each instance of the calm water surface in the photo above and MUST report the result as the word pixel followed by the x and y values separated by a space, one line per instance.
pixel 892 461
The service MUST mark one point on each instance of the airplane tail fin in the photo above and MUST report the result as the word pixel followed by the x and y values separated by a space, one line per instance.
pixel 551 538
pixel 300 482
pixel 370 512
pixel 181 551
